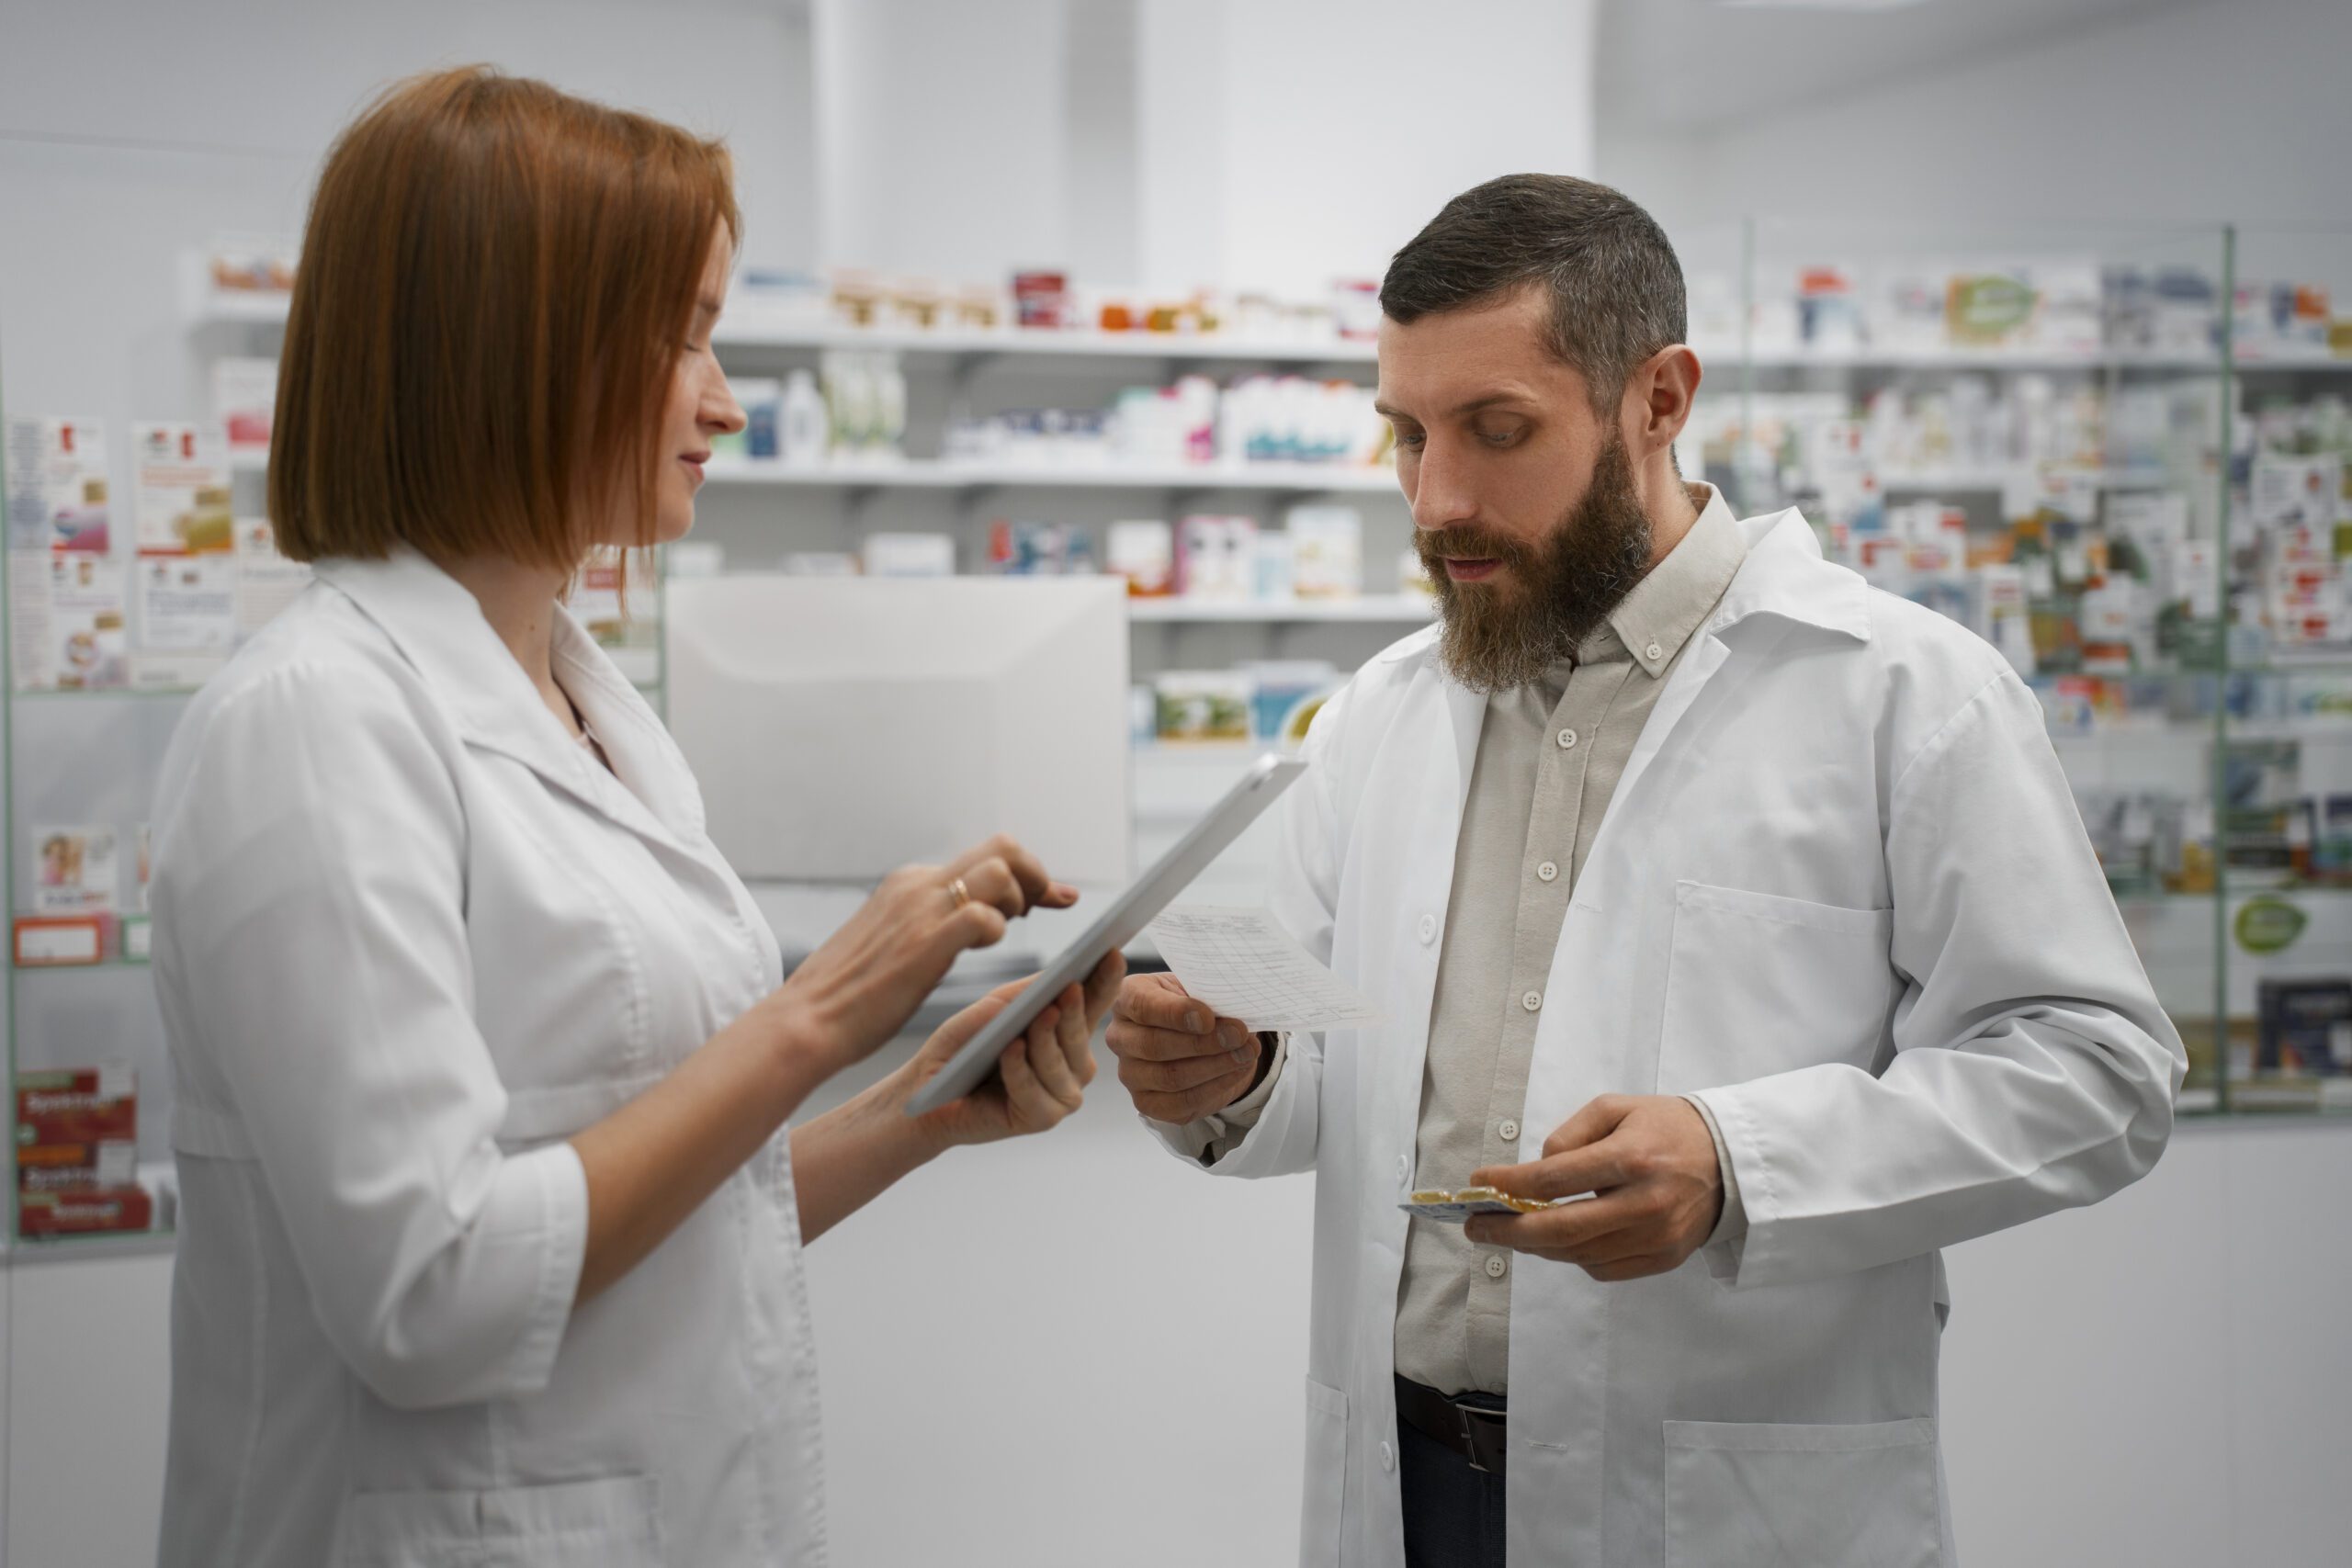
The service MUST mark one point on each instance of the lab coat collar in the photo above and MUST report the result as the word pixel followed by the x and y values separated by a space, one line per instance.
pixel 437 625
pixel 1786 576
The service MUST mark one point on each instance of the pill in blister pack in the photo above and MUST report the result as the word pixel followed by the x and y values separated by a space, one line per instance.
pixel 1455 1207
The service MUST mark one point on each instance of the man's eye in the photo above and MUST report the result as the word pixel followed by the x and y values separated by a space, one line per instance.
pixel 1409 438
pixel 1499 438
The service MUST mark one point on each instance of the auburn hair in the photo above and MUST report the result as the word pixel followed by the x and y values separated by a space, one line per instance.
pixel 495 284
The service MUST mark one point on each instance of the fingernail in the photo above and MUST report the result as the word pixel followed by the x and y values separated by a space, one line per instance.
pixel 1202 1023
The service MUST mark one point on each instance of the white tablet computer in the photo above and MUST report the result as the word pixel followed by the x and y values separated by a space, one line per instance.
pixel 1119 925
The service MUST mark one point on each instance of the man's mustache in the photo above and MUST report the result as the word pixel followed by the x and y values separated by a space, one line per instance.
pixel 1459 543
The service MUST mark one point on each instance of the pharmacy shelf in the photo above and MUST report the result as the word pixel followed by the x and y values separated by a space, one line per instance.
pixel 26 1251
pixel 2029 359
pixel 1401 608
pixel 748 329
pixel 918 474
pixel 2003 478
pixel 923 474
pixel 745 329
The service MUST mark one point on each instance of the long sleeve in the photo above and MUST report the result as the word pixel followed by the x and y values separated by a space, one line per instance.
pixel 2033 1068
pixel 1272 1130
pixel 309 897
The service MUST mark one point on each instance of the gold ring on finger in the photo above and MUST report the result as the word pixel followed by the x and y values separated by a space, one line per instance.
pixel 957 894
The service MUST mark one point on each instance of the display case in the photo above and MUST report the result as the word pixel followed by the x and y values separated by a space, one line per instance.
pixel 2117 454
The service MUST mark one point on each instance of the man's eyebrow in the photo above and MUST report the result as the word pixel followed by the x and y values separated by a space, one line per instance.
pixel 1473 406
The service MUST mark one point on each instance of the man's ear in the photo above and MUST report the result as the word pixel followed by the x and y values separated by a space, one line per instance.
pixel 1658 398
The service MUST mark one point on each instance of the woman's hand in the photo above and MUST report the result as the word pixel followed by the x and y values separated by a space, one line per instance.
pixel 1041 1077
pixel 862 986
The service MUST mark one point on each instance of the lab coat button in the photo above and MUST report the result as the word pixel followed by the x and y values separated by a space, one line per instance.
pixel 1532 1001
pixel 1387 1457
pixel 1656 651
pixel 1567 739
pixel 1404 1170
pixel 1429 930
pixel 1495 1266
pixel 1510 1130
pixel 1547 870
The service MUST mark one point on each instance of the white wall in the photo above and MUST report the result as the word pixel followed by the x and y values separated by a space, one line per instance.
pixel 1221 142
pixel 1288 144
pixel 84 1479
pixel 2232 109
pixel 131 132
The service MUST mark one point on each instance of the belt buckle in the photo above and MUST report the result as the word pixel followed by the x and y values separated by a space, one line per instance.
pixel 1471 1420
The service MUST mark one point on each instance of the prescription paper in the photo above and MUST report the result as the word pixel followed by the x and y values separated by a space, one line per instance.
pixel 1242 964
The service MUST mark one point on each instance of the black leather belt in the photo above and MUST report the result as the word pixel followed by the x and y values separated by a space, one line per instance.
pixel 1476 1434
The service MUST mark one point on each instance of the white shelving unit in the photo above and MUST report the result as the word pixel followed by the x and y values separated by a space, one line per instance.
pixel 1402 609
pixel 916 474
pixel 206 305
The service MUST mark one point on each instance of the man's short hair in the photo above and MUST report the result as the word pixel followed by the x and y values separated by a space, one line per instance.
pixel 1615 285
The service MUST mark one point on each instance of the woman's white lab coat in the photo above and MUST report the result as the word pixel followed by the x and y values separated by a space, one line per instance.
pixel 409 937
pixel 1843 893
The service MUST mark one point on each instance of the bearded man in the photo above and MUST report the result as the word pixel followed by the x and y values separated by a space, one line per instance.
pixel 1734 909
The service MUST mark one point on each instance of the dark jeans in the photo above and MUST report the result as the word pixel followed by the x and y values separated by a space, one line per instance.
pixel 1453 1512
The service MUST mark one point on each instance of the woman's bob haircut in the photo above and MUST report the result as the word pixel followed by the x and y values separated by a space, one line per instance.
pixel 496 285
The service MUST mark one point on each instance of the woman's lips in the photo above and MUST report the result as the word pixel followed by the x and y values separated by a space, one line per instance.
pixel 694 465
pixel 1461 570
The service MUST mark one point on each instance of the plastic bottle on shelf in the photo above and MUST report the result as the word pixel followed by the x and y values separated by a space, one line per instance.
pixel 803 430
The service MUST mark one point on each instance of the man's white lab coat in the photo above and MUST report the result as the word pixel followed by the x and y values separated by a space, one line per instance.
pixel 1843 894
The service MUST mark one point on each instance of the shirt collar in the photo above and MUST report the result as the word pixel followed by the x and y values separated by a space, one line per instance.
pixel 1667 608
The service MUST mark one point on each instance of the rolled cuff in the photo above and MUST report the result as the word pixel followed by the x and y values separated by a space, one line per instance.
pixel 562 1190
pixel 1731 1226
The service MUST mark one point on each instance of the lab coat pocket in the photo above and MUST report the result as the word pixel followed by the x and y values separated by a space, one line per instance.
pixel 611 1522
pixel 1745 1496
pixel 1757 984
pixel 1327 1474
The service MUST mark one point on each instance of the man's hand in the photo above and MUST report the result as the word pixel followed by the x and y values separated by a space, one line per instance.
pixel 1178 1059
pixel 1650 1165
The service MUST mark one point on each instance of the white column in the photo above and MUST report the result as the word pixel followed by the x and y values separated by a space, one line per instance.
pixel 942 143
pixel 1287 143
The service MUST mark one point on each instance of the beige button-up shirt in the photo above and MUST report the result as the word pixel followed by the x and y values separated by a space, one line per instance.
pixel 1549 757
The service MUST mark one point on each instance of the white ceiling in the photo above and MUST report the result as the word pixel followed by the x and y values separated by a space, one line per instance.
pixel 1668 66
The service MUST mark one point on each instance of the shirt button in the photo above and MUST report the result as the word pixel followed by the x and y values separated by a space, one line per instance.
pixel 1429 930
pixel 1547 870
pixel 1654 651
pixel 1387 1457
pixel 1567 739
pixel 1510 1130
pixel 1532 1001
pixel 1495 1266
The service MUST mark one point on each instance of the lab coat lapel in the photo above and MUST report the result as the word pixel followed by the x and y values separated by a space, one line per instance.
pixel 1430 812
pixel 438 627
pixel 1782 584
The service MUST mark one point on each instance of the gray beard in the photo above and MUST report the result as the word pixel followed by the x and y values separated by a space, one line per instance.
pixel 1553 595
